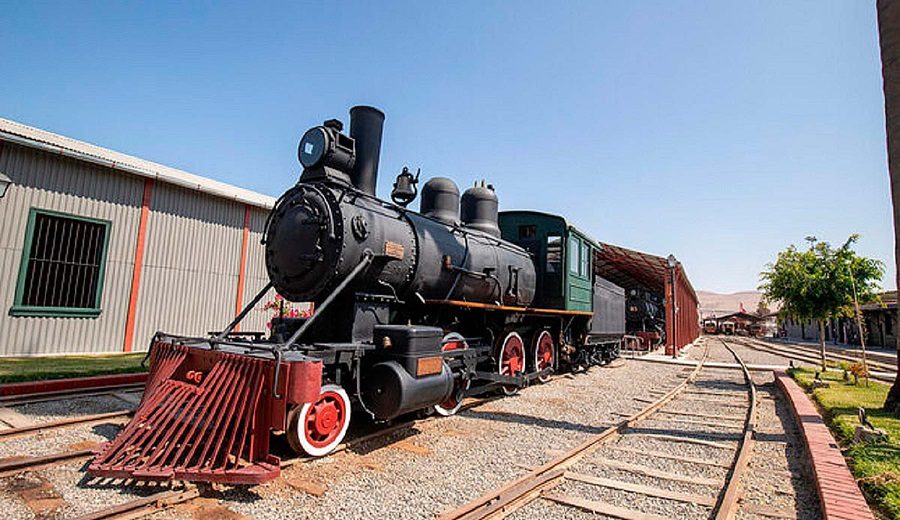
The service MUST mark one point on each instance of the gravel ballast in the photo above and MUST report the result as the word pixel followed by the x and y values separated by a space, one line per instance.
pixel 416 473
pixel 437 465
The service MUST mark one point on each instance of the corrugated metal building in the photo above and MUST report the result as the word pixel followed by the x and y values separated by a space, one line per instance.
pixel 632 269
pixel 99 249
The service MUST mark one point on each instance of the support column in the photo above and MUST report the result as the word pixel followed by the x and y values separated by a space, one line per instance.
pixel 128 343
pixel 242 273
pixel 670 315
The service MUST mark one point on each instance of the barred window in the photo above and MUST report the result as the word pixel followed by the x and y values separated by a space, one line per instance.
pixel 63 265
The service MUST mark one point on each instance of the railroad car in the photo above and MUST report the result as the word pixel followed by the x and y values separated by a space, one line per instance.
pixel 710 327
pixel 645 317
pixel 728 328
pixel 414 310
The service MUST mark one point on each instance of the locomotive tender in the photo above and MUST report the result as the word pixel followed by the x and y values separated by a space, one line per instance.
pixel 414 311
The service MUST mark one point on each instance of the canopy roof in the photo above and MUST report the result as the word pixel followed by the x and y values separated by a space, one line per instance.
pixel 633 269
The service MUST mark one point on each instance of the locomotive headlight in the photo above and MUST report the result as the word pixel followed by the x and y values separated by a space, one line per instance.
pixel 312 147
pixel 326 146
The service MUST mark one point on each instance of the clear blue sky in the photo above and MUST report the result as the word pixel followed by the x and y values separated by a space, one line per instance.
pixel 718 131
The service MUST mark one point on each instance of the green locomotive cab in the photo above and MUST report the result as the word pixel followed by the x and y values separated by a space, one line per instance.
pixel 563 257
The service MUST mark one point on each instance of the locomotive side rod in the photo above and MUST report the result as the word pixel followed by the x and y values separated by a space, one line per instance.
pixel 245 311
pixel 367 259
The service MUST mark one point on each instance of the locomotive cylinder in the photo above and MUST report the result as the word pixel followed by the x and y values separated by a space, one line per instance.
pixel 390 390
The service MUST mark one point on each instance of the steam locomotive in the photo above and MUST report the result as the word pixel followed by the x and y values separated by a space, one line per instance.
pixel 414 310
pixel 645 316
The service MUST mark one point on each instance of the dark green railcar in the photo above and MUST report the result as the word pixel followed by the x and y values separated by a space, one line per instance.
pixel 563 257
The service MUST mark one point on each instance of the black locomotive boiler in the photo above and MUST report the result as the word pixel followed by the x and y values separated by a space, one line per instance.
pixel 413 309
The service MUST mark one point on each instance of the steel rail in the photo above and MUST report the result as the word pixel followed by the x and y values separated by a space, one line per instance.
pixel 142 507
pixel 41 397
pixel 833 353
pixel 806 356
pixel 86 419
pixel 512 496
pixel 727 505
pixel 16 465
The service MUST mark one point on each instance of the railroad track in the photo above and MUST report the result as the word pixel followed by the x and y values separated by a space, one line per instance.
pixel 557 482
pixel 122 393
pixel 18 400
pixel 180 494
pixel 874 362
pixel 807 354
pixel 872 353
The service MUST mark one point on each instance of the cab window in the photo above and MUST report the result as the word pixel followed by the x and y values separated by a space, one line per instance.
pixel 585 259
pixel 574 256
pixel 527 231
pixel 554 253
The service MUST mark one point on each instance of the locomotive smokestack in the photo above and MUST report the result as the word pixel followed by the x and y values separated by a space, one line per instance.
pixel 366 125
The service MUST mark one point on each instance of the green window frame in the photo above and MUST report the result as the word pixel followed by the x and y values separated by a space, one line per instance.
pixel 585 259
pixel 72 259
pixel 574 254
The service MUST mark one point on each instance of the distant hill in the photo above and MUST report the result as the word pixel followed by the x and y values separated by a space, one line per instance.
pixel 719 304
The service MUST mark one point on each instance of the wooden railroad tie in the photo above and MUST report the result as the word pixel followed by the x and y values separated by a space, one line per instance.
pixel 687 440
pixel 601 508
pixel 677 496
pixel 664 455
pixel 705 415
pixel 656 473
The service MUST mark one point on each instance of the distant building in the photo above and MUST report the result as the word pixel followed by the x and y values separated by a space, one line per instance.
pixel 881 321
pixel 880 325
pixel 100 249
pixel 744 324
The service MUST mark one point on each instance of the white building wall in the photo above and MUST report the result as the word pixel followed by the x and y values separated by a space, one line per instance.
pixel 191 263
pixel 45 181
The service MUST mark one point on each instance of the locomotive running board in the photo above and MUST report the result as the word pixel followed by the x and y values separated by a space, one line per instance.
pixel 518 380
pixel 201 419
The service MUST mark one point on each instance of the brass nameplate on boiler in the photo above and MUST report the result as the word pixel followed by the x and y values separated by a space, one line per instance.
pixel 429 366
pixel 394 250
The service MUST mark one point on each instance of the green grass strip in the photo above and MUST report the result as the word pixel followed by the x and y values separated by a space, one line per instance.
pixel 17 370
pixel 875 466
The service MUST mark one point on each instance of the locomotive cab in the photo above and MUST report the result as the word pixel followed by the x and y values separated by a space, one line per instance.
pixel 564 259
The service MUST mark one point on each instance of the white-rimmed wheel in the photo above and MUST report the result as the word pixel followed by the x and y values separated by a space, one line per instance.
pixel 454 341
pixel 317 428
pixel 544 353
pixel 511 359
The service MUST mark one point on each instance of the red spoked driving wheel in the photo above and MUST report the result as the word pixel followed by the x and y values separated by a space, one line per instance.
pixel 317 428
pixel 511 360
pixel 544 353
pixel 451 405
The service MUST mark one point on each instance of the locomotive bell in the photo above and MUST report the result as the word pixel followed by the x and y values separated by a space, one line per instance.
pixel 405 189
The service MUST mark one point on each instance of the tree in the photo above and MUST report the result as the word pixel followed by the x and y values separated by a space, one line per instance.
pixel 762 309
pixel 889 40
pixel 818 283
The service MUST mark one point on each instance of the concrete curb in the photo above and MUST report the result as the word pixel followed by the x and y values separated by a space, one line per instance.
pixel 839 496
pixel 75 383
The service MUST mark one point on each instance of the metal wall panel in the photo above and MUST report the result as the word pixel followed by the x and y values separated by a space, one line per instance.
pixel 46 181
pixel 256 273
pixel 191 263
